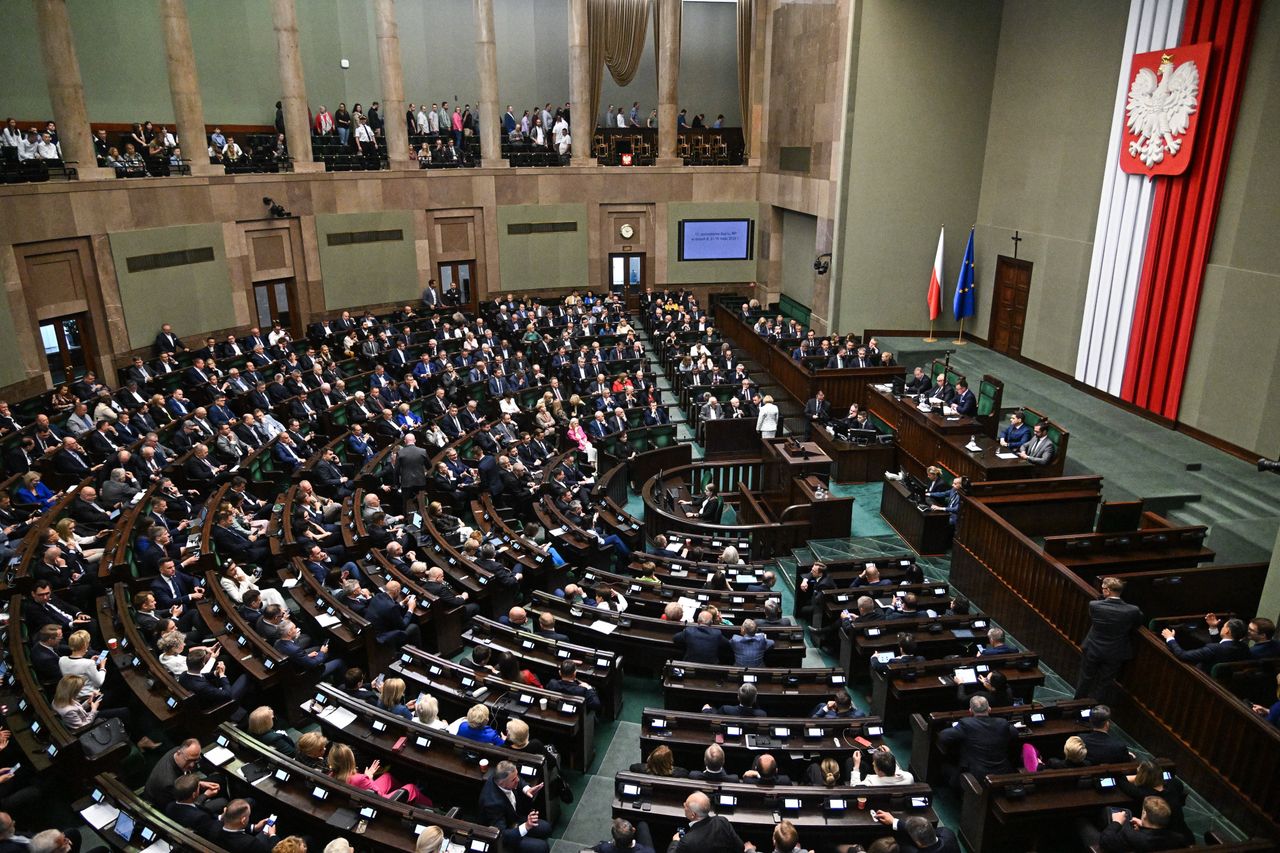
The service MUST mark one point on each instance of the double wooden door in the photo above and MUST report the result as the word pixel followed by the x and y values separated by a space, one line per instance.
pixel 1010 292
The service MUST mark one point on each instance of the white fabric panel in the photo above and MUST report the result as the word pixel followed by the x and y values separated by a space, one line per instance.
pixel 1124 217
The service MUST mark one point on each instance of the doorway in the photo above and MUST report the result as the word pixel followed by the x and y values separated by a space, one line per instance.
pixel 626 276
pixel 461 273
pixel 273 300
pixel 68 346
pixel 1009 305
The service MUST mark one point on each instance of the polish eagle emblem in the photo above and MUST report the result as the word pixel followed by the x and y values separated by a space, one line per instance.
pixel 1161 109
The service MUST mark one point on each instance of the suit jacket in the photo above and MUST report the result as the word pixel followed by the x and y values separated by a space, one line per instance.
pixel 191 816
pixel 711 835
pixel 1123 838
pixel 385 615
pixel 184 585
pixel 819 410
pixel 1206 656
pixel 1110 634
pixel 946 393
pixel 496 811
pixel 966 404
pixel 1105 748
pixel 984 744
pixel 702 644
pixel 45 662
pixel 241 841
pixel 947 842
pixel 575 688
pixel 210 690
pixel 37 615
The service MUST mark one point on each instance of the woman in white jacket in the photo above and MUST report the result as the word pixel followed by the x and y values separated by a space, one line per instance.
pixel 767 420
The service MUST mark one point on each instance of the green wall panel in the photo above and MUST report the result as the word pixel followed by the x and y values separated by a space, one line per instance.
pixel 367 273
pixel 10 364
pixel 556 259
pixel 193 297
pixel 708 272
pixel 799 237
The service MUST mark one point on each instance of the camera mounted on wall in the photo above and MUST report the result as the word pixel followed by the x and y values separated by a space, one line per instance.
pixel 822 263
pixel 277 210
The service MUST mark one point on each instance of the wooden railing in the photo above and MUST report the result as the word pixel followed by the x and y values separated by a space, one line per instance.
pixel 1221 748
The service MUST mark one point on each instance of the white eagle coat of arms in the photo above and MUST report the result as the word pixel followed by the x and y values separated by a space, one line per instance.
pixel 1161 109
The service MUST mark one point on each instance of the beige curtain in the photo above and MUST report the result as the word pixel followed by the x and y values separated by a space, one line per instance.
pixel 746 15
pixel 615 40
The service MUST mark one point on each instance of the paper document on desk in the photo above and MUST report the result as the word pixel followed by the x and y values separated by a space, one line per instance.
pixel 603 627
pixel 157 846
pixel 559 531
pixel 218 755
pixel 690 607
pixel 327 620
pixel 1005 455
pixel 99 815
pixel 289 583
pixel 339 717
pixel 971 447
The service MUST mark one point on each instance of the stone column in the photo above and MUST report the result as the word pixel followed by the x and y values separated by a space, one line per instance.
pixel 293 88
pixel 66 92
pixel 668 82
pixel 582 128
pixel 487 70
pixel 395 130
pixel 184 86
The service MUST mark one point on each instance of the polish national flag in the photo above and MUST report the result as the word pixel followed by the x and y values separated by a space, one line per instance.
pixel 935 281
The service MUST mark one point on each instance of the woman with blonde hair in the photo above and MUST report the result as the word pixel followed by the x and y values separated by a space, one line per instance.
pixel 312 747
pixel 826 773
pixel 392 698
pixel 71 543
pixel 342 766
pixel 78 662
pixel 32 491
pixel 543 418
pixel 476 726
pixel 432 838
pixel 730 557
pixel 427 710
pixel 262 722
pixel 660 762
pixel 578 435
pixel 80 714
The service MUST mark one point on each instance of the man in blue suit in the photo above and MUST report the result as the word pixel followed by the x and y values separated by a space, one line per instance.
pixel 211 688
pixel 626 838
pixel 508 806
pixel 964 403
pixel 312 660
pixel 703 643
pixel 1016 433
pixel 996 644
pixel 392 619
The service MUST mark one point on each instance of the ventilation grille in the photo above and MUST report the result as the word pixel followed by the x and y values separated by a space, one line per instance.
pixel 794 159
pixel 541 227
pixel 162 260
pixel 351 238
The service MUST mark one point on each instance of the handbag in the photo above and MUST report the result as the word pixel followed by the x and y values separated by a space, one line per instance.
pixel 103 738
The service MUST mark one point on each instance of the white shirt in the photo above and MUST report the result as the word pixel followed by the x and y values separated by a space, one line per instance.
pixel 11 138
pixel 364 133
pixel 48 150
pixel 622 120
pixel 565 143
pixel 560 128
pixel 539 137
pixel 423 121
pixel 232 150
pixel 27 149
pixel 433 122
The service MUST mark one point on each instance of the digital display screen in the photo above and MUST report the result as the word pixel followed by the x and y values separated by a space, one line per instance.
pixel 716 239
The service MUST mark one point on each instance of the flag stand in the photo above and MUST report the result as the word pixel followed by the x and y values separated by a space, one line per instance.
pixel 931 339
pixel 960 341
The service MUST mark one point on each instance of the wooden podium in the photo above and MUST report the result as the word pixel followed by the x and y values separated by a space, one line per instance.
pixel 782 467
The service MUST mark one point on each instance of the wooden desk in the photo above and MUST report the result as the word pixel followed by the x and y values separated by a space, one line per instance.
pixel 855 463
pixel 782 466
pixel 828 515
pixel 688 734
pixel 928 531
pixel 906 688
pixel 754 816
pixel 781 692
pixel 730 437
pixel 925 439
pixel 858 643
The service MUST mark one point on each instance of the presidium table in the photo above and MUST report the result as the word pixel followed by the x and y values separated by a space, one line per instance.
pixel 928 438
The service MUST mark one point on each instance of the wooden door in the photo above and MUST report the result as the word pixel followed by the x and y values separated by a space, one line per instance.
pixel 1010 291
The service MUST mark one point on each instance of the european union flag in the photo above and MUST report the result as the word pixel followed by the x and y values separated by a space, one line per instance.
pixel 962 305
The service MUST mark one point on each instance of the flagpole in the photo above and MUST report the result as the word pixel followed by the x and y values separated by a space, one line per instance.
pixel 931 339
pixel 960 341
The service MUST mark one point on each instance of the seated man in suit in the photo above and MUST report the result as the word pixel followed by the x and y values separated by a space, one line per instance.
pixel 626 838
pixel 1040 450
pixel 240 547
pixel 211 688
pixel 706 833
pixel 918 383
pixel 703 642
pixel 311 660
pixel 237 834
pixel 996 644
pixel 746 706
pixel 941 393
pixel 964 404
pixel 1262 633
pixel 1016 434
pixel 764 772
pixel 567 682
pixel 1230 646
pixel 1149 832
pixel 436 584
pixel 1103 747
pixel 838 707
pixel 184 811
pixel 713 766
pixel 508 805
pixel 918 834
pixel 391 618
pixel 980 744
pixel 46 650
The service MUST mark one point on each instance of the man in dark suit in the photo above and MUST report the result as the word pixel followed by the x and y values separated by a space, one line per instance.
pixel 237 835
pixel 175 587
pixel 817 410
pixel 212 688
pixel 626 838
pixel 508 806
pixel 1230 647
pixel 46 650
pixel 812 588
pixel 314 660
pixel 965 404
pixel 1109 642
pixel 437 585
pixel 981 743
pixel 1149 832
pixel 411 466
pixel 184 811
pixel 916 834
pixel 713 766
pixel 941 393
pixel 392 619
pixel 1040 450
pixel 703 643
pixel 42 608
pixel 1103 747
pixel 746 706
pixel 567 682
pixel 706 833
pixel 167 341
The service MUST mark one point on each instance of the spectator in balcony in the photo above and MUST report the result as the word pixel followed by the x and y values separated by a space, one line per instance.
pixel 133 161
pixel 508 122
pixel 27 146
pixel 652 120
pixel 421 121
pixel 11 136
pixel 100 147
pixel 280 151
pixel 175 158
pixel 341 123
pixel 366 142
pixel 719 122
pixel 231 152
pixel 324 124
pixel 525 124
pixel 442 118
pixel 682 120
pixel 137 138
pixel 455 122
pixel 217 140
pixel 620 120
pixel 279 117
pixel 167 139
pixel 700 120
pixel 538 136
pixel 47 149
pixel 424 155
pixel 375 119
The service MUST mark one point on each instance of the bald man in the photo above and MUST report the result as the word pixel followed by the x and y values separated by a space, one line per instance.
pixel 706 833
